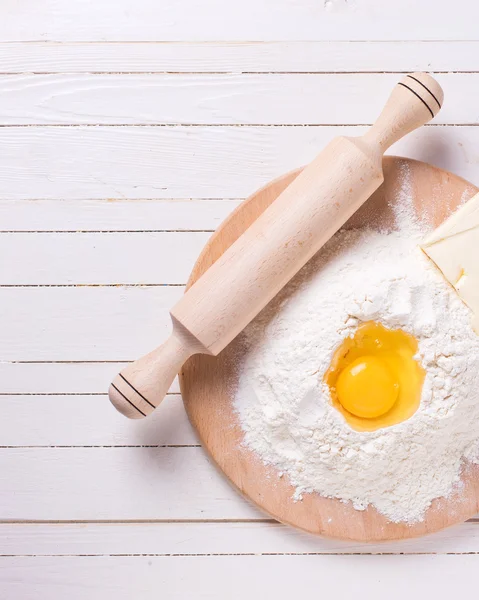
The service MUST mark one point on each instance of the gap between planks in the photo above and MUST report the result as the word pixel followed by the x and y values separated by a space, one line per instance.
pixel 232 72
pixel 105 231
pixel 210 125
pixel 52 42
pixel 64 394
pixel 106 446
pixel 212 554
pixel 101 394
pixel 140 521
pixel 62 362
pixel 89 285
pixel 474 520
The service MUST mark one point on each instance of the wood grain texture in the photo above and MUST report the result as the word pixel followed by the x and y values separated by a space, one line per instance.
pixel 120 484
pixel 74 163
pixel 114 215
pixel 186 539
pixel 83 323
pixel 221 99
pixel 239 57
pixel 46 421
pixel 64 378
pixel 170 20
pixel 115 258
pixel 122 578
pixel 206 377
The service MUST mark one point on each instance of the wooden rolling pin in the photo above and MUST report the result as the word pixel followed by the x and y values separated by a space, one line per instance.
pixel 289 232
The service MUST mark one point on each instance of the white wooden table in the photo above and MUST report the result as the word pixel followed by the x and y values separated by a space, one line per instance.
pixel 128 130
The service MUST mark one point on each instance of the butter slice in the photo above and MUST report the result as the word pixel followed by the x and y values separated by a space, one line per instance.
pixel 454 248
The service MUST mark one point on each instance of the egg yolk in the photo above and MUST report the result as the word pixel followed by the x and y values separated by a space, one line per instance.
pixel 374 379
pixel 367 388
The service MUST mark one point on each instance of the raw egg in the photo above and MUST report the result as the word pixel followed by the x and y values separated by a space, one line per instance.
pixel 374 378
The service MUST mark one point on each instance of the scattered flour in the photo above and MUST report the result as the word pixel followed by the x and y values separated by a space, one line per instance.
pixel 285 408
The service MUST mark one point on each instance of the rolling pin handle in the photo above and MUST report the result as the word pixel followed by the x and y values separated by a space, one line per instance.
pixel 414 101
pixel 142 385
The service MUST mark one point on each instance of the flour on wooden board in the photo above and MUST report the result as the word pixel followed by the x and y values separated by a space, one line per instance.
pixel 285 407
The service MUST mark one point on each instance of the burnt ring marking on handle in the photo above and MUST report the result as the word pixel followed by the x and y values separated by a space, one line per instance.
pixel 426 88
pixel 129 401
pixel 418 96
pixel 135 390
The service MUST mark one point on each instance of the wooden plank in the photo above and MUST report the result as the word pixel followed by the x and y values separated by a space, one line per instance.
pixel 43 421
pixel 200 99
pixel 145 20
pixel 114 215
pixel 139 162
pixel 236 577
pixel 114 539
pixel 99 258
pixel 185 162
pixel 115 484
pixel 239 57
pixel 84 323
pixel 59 378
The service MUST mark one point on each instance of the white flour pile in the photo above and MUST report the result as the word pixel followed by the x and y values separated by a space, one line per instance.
pixel 285 408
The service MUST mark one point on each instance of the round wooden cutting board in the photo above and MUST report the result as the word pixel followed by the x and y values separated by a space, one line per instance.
pixel 207 383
